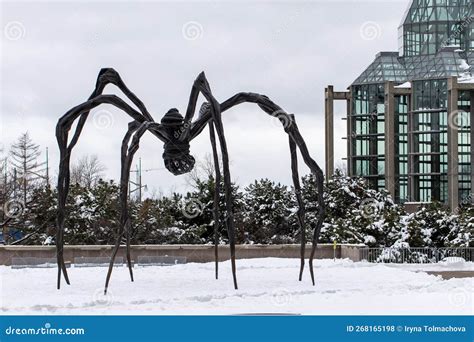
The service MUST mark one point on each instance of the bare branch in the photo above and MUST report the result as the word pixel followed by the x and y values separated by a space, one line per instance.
pixel 87 171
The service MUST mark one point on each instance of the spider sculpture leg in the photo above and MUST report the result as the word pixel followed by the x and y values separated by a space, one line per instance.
pixel 217 191
pixel 128 152
pixel 109 76
pixel 128 233
pixel 62 129
pixel 124 182
pixel 195 90
pixel 106 76
pixel 319 177
pixel 201 85
pixel 299 199
pixel 291 129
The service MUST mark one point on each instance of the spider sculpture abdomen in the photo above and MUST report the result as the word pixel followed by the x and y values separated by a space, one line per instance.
pixel 176 155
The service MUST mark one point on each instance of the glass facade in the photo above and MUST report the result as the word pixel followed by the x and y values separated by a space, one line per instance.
pixel 429 133
pixel 464 146
pixel 449 61
pixel 401 148
pixel 429 25
pixel 435 44
pixel 368 134
pixel 386 67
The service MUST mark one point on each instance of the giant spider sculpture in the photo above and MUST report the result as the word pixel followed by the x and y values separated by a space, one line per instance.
pixel 176 133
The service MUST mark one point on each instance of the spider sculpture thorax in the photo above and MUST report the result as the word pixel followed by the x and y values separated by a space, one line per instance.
pixel 176 132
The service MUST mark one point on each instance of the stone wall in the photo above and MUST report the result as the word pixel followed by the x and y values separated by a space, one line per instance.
pixel 193 253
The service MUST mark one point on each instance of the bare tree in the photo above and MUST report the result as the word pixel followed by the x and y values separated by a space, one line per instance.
pixel 5 186
pixel 5 191
pixel 203 169
pixel 26 171
pixel 87 171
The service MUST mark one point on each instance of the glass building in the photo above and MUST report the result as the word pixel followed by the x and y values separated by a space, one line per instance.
pixel 409 113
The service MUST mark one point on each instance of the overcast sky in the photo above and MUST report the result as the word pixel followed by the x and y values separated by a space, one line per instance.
pixel 52 52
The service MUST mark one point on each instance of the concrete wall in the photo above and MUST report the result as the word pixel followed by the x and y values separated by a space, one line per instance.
pixel 193 253
pixel 351 252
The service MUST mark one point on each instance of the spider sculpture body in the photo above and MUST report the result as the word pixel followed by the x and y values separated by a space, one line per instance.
pixel 176 132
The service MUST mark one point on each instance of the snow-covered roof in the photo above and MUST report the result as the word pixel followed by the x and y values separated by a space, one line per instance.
pixel 406 85
pixel 469 79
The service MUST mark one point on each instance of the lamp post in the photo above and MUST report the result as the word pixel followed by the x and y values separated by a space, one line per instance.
pixel 138 180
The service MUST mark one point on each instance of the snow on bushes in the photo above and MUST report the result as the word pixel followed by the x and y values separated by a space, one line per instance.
pixel 264 213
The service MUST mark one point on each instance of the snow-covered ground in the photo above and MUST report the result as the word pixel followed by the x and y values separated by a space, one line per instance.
pixel 266 286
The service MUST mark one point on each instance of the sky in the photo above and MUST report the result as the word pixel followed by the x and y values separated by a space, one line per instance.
pixel 51 53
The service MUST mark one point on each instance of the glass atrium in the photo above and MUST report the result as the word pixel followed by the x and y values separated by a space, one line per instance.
pixel 431 68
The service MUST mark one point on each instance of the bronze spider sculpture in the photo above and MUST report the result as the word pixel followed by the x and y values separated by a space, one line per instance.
pixel 176 132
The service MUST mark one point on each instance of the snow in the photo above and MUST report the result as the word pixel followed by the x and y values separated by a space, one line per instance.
pixel 466 79
pixel 466 76
pixel 464 65
pixel 406 85
pixel 267 285
pixel 48 240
